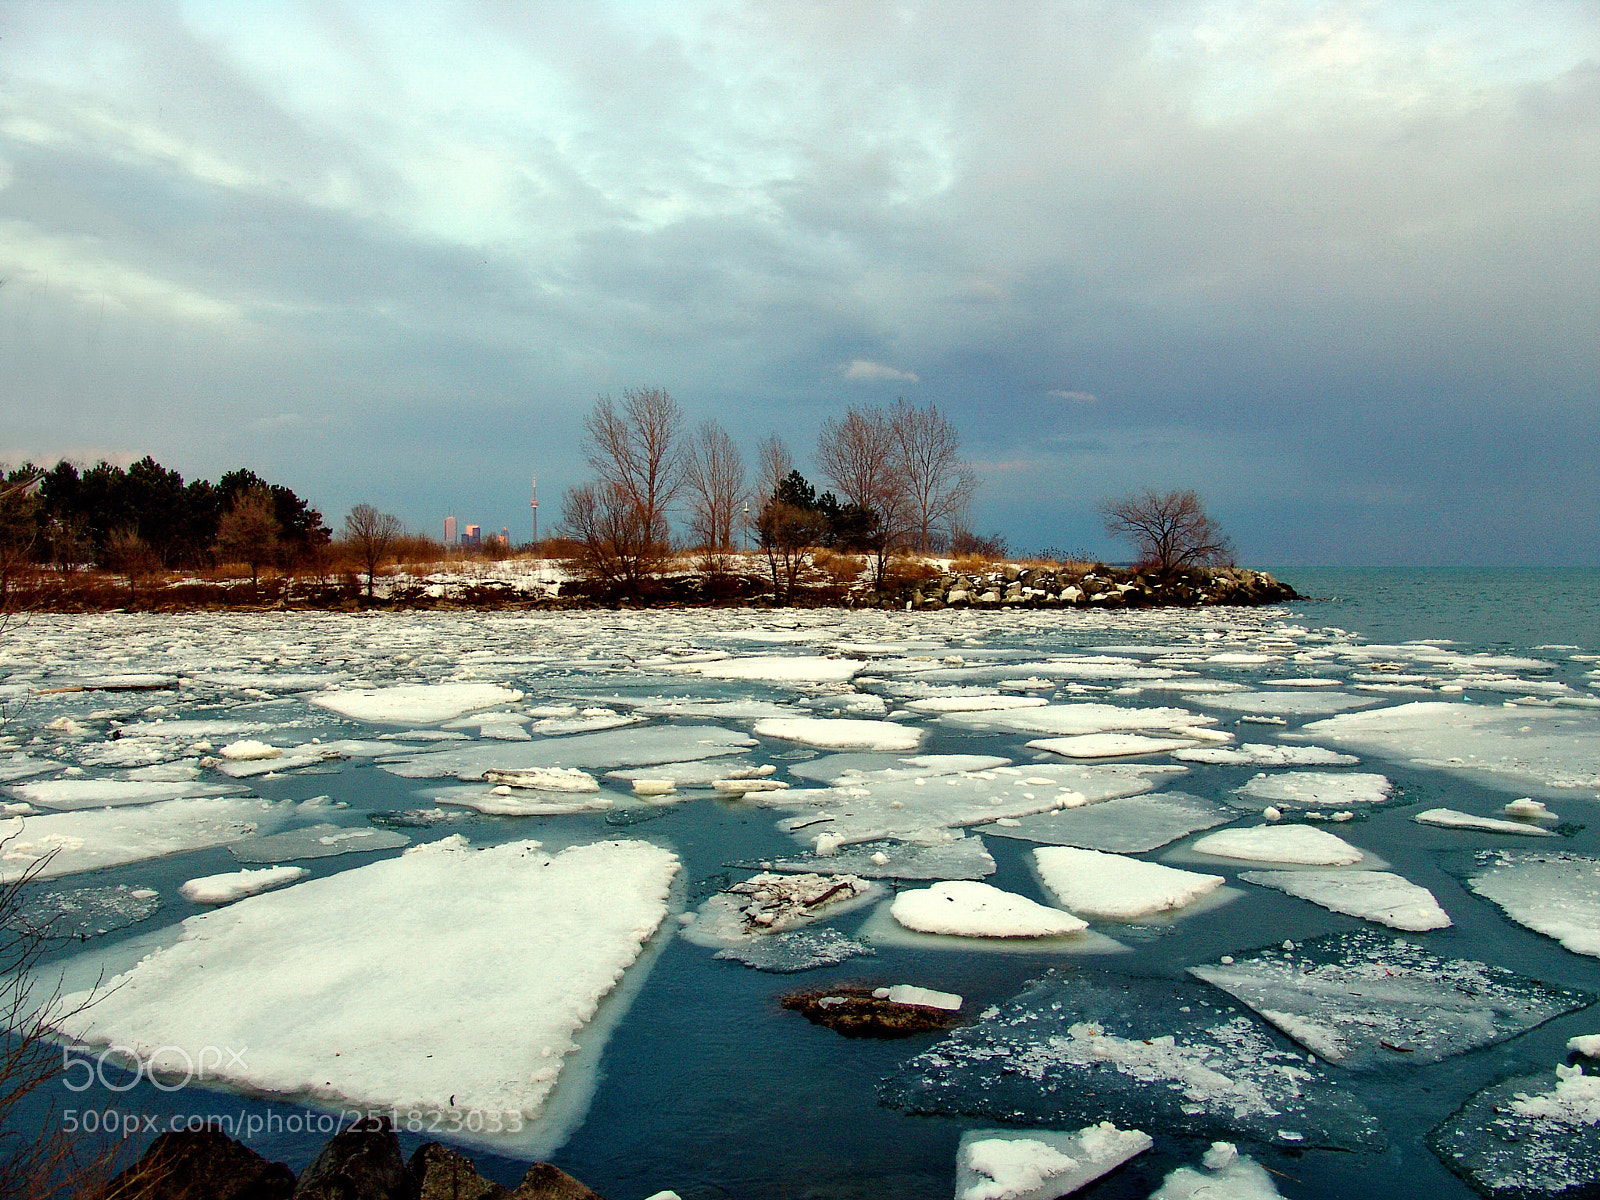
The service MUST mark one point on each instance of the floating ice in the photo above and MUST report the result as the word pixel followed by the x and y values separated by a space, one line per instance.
pixel 1524 1138
pixel 1317 789
pixel 767 904
pixel 796 950
pixel 1449 818
pixel 1228 1175
pixel 1070 720
pixel 1548 751
pixel 950 704
pixel 236 885
pixel 1298 703
pixel 243 751
pixel 927 810
pixel 1263 754
pixel 1108 745
pixel 1280 844
pixel 506 954
pixel 632 747
pixel 966 909
pixel 841 734
pixel 1379 896
pixel 415 703
pixel 782 669
pixel 1159 1054
pixel 83 913
pixel 700 773
pixel 23 766
pixel 1111 887
pixel 1557 895
pixel 1587 1044
pixel 910 993
pixel 1529 809
pixel 1123 825
pixel 66 843
pixel 71 794
pixel 1002 1164
pixel 551 779
pixel 1365 1000
pixel 863 769
pixel 963 858
pixel 316 841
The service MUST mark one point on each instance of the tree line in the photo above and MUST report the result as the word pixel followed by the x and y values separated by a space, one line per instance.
pixel 898 482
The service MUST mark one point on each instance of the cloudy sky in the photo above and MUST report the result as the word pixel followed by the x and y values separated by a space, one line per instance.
pixel 1335 265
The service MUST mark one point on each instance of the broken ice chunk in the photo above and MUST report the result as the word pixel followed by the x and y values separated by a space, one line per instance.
pixel 547 779
pixel 1228 1175
pixel 794 951
pixel 837 733
pixel 1108 745
pixel 248 749
pixel 1449 818
pixel 1001 1164
pixel 1121 825
pixel 1266 755
pixel 1280 844
pixel 415 703
pixel 1529 809
pixel 963 858
pixel 316 841
pixel 1525 1138
pixel 236 885
pixel 1587 1044
pixel 1364 1000
pixel 1317 789
pixel 1379 896
pixel 65 843
pixel 1111 887
pixel 968 909
pixel 1557 895
pixel 83 913
pixel 766 904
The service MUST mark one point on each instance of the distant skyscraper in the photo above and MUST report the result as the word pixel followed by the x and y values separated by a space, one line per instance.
pixel 449 531
pixel 534 504
pixel 473 536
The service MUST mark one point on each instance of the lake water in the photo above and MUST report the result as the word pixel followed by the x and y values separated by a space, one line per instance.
pixel 692 1077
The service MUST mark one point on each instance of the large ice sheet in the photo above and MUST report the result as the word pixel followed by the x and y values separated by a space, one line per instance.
pixel 926 810
pixel 507 952
pixel 1380 896
pixel 1548 751
pixel 90 840
pixel 1366 1000
pixel 777 668
pixel 1264 754
pixel 1123 825
pixel 1112 887
pixel 1533 1136
pixel 1317 789
pixel 1108 745
pixel 631 747
pixel 862 769
pixel 1070 720
pixel 1280 844
pixel 316 841
pixel 1297 703
pixel 1555 894
pixel 415 703
pixel 1003 1164
pixel 841 734
pixel 963 858
pixel 961 908
pixel 71 794
pixel 1154 1055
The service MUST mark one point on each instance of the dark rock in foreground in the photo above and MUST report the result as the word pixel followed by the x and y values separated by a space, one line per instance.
pixel 202 1165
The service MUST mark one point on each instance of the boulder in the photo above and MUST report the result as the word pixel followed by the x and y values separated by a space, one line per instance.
pixel 201 1165
pixel 1012 572
pixel 958 595
pixel 857 1012
pixel 544 1182
pixel 440 1173
pixel 1071 595
pixel 989 597
pixel 362 1163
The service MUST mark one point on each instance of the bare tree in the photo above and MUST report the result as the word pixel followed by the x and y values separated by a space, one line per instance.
pixel 613 543
pixel 249 531
pixel 128 553
pixel 370 533
pixel 859 456
pixel 774 462
pixel 636 449
pixel 938 484
pixel 1170 529
pixel 713 475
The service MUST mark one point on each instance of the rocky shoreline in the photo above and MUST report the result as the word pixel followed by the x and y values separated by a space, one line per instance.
pixel 362 1163
pixel 1099 587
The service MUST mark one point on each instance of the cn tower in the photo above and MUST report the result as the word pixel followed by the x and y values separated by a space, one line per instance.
pixel 534 504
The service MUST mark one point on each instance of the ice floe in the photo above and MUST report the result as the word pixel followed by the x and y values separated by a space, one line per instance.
pixel 1379 896
pixel 1156 1054
pixel 965 909
pixel 963 858
pixel 1005 1164
pixel 316 841
pixel 1076 720
pixel 950 704
pixel 1557 895
pixel 862 769
pixel 1533 1136
pixel 92 839
pixel 1122 825
pixel 73 794
pixel 1317 789
pixel 1450 818
pixel 1549 751
pixel 1280 844
pixel 841 733
pixel 1263 754
pixel 1226 1175
pixel 83 913
pixel 1365 1000
pixel 506 951
pixel 415 703
pixel 1298 702
pixel 236 885
pixel 794 951
pixel 781 669
pixel 1108 745
pixel 769 903
pixel 614 749
pixel 1112 887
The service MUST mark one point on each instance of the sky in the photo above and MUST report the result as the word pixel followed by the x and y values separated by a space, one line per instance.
pixel 1336 266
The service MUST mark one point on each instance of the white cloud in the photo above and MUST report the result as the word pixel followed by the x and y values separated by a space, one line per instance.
pixel 1069 394
pixel 861 368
